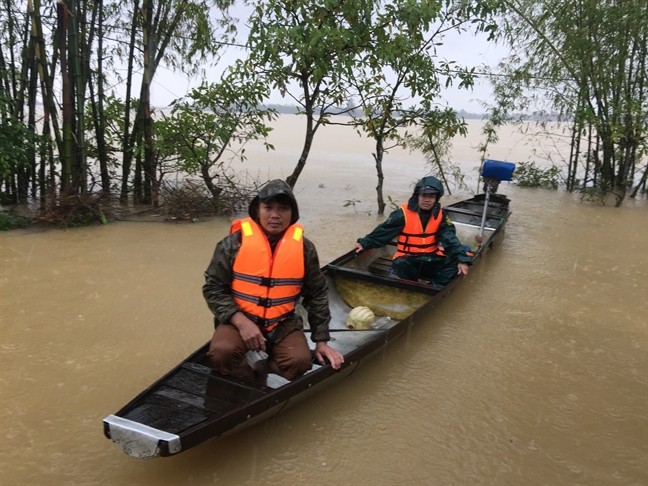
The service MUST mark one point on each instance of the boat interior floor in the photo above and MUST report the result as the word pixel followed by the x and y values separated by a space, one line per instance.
pixel 382 268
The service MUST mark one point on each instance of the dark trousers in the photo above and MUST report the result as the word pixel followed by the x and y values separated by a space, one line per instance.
pixel 438 270
pixel 227 352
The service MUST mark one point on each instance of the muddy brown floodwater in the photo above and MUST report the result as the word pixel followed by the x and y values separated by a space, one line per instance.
pixel 533 372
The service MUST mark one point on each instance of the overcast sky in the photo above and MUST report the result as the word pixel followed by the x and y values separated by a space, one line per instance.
pixel 466 49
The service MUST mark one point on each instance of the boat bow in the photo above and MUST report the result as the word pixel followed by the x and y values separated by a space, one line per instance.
pixel 139 440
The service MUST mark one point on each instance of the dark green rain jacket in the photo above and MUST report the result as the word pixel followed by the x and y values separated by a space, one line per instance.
pixel 218 276
pixel 394 224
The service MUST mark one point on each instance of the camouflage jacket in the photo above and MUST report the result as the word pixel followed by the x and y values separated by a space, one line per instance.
pixel 314 290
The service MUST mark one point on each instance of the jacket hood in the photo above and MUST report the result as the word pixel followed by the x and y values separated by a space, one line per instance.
pixel 429 181
pixel 272 189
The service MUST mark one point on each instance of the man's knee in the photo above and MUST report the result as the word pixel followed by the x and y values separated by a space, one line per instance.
pixel 225 351
pixel 220 353
pixel 446 273
pixel 293 356
pixel 403 268
pixel 295 365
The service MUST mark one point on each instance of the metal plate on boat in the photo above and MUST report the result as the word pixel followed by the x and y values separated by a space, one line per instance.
pixel 139 440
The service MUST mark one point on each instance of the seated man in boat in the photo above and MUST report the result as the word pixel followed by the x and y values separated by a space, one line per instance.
pixel 256 277
pixel 434 254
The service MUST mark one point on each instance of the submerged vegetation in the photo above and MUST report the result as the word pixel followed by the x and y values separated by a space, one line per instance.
pixel 10 221
pixel 527 174
pixel 188 200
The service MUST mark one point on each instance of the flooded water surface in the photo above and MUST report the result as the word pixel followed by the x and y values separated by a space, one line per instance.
pixel 534 371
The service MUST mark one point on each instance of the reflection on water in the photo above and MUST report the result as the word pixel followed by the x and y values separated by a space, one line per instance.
pixel 532 372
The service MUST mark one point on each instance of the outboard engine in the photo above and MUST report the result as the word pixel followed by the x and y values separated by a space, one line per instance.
pixel 495 171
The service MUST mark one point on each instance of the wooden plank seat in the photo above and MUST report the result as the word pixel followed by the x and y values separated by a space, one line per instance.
pixel 381 267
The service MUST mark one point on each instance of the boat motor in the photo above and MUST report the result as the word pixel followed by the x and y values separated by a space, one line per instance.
pixel 493 172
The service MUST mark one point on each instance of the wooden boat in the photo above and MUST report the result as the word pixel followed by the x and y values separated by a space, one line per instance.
pixel 194 403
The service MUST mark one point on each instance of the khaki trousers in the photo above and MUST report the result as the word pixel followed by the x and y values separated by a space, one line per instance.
pixel 227 352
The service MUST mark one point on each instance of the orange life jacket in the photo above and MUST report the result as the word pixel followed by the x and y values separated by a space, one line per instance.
pixel 413 240
pixel 267 286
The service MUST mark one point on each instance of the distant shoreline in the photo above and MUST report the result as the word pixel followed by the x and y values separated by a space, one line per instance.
pixel 294 110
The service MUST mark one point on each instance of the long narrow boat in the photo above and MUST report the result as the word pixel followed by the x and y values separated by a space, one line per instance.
pixel 193 402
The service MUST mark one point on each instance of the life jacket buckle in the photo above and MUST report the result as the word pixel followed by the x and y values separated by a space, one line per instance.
pixel 267 281
pixel 264 302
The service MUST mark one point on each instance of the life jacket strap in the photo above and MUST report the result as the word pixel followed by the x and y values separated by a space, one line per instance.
pixel 267 281
pixel 413 245
pixel 264 301
pixel 423 235
pixel 268 325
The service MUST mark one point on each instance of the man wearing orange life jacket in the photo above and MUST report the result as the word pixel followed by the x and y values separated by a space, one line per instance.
pixel 428 247
pixel 256 277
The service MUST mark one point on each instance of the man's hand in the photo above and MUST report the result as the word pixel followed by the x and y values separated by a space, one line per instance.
pixel 358 248
pixel 249 331
pixel 462 269
pixel 323 350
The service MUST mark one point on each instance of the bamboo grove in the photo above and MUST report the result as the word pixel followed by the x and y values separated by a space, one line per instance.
pixel 64 131
pixel 584 62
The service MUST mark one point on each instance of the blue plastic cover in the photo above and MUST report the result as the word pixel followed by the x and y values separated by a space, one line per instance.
pixel 497 169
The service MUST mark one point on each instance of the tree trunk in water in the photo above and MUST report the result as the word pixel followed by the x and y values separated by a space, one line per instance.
pixel 98 121
pixel 4 82
pixel 308 142
pixel 21 180
pixel 96 102
pixel 101 119
pixel 588 158
pixel 149 170
pixel 607 168
pixel 154 49
pixel 378 157
pixel 49 107
pixel 571 167
pixel 138 195
pixel 14 190
pixel 215 191
pixel 46 148
pixel 11 87
pixel 66 155
pixel 31 96
pixel 127 149
pixel 642 183
pixel 577 133
pixel 624 173
pixel 80 176
pixel 20 83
